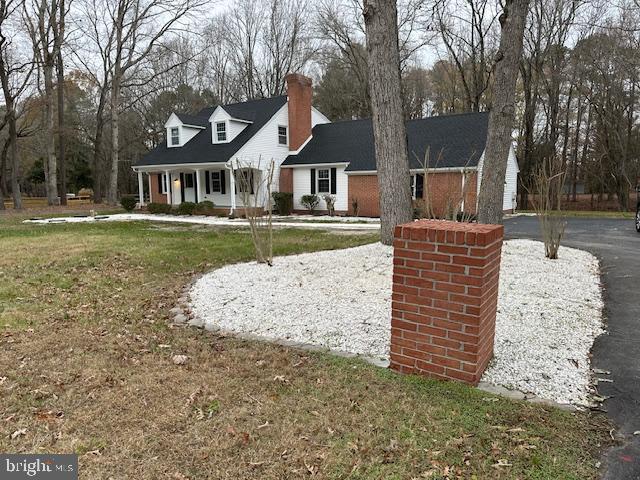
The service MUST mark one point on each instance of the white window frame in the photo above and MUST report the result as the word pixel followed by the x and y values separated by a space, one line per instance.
pixel 214 180
pixel 177 136
pixel 413 185
pixel 328 179
pixel 286 136
pixel 217 132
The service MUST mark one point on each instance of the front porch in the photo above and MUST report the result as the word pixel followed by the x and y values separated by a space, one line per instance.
pixel 217 183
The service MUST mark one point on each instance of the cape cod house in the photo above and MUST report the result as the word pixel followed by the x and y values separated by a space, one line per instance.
pixel 204 154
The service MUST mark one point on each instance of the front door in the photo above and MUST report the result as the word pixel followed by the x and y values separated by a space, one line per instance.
pixel 189 187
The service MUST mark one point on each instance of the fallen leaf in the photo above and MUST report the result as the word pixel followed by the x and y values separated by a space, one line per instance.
pixel 179 359
pixel 18 433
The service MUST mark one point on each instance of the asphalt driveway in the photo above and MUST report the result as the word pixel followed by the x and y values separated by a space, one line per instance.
pixel 617 245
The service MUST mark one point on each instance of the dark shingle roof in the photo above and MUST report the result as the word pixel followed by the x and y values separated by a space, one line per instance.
pixel 200 149
pixel 459 140
pixel 196 120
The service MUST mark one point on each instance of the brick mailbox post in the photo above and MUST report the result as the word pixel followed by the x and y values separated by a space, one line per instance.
pixel 444 300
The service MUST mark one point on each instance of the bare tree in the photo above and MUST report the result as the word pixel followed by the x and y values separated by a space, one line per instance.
pixel 254 185
pixel 15 75
pixel 466 28
pixel 44 20
pixel 127 31
pixel 389 130
pixel 264 41
pixel 502 115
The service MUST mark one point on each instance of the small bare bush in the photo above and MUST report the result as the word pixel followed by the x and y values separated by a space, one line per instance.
pixel 254 186
pixel 548 179
pixel 330 200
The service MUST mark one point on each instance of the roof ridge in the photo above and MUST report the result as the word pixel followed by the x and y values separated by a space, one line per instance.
pixel 433 117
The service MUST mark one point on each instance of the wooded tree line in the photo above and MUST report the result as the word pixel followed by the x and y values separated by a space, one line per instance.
pixel 125 65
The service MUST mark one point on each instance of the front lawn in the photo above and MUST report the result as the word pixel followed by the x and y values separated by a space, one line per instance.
pixel 86 366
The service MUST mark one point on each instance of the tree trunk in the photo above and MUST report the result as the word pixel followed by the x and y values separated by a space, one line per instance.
pixel 97 149
pixel 50 147
pixel 3 173
pixel 390 138
pixel 112 192
pixel 15 160
pixel 61 132
pixel 501 117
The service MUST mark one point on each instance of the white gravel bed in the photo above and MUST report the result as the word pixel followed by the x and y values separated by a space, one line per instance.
pixel 549 312
pixel 338 223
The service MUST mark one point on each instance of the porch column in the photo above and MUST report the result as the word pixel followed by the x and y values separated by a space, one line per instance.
pixel 149 180
pixel 168 185
pixel 198 188
pixel 232 190
pixel 140 189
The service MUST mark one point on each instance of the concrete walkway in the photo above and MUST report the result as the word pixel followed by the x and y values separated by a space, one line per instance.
pixel 306 222
pixel 617 245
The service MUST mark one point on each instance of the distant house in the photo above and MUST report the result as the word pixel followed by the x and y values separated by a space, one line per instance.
pixel 199 160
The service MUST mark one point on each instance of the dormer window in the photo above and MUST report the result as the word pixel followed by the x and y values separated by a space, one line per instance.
pixel 282 135
pixel 221 131
pixel 175 136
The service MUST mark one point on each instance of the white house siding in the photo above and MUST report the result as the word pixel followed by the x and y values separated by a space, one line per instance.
pixel 302 186
pixel 511 180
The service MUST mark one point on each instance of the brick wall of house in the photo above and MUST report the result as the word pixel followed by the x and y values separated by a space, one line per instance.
pixel 445 191
pixel 156 197
pixel 364 188
pixel 285 180
pixel 445 188
pixel 444 298
pixel 299 94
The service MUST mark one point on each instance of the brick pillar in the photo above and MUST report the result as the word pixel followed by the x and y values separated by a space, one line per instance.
pixel 445 295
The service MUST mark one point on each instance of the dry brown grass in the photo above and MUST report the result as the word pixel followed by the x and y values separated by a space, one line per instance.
pixel 86 361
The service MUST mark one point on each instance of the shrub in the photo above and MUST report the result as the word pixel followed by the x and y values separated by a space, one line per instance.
pixel 156 208
pixel 310 202
pixel 85 192
pixel 204 208
pixel 330 200
pixel 128 203
pixel 284 202
pixel 354 206
pixel 186 208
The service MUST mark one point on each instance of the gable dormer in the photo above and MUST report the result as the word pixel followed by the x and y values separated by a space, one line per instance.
pixel 180 132
pixel 225 127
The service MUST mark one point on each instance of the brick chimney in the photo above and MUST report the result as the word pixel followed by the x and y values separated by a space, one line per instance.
pixel 299 92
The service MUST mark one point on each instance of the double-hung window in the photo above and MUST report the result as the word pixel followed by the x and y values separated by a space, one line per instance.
pixel 175 136
pixel 324 181
pixel 282 135
pixel 216 182
pixel 221 131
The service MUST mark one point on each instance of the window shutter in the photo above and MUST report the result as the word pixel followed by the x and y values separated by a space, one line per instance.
pixel 419 185
pixel 333 181
pixel 313 181
pixel 223 189
pixel 207 182
pixel 181 187
pixel 159 183
pixel 195 185
pixel 251 180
